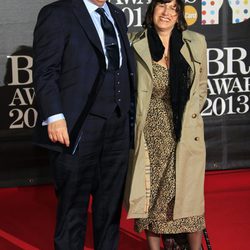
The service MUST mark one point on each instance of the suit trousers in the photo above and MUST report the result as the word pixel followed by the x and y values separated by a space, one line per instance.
pixel 99 169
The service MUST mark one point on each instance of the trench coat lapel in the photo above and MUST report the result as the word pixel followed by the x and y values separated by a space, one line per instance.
pixel 186 54
pixel 194 51
pixel 142 49
pixel 188 51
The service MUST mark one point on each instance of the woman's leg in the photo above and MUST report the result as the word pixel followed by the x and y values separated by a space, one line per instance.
pixel 153 240
pixel 175 241
pixel 194 240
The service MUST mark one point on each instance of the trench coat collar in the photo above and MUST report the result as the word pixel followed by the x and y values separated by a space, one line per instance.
pixel 188 50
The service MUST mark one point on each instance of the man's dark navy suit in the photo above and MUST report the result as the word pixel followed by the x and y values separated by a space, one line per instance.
pixel 68 60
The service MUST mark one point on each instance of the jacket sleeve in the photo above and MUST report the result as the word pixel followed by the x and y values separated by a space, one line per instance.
pixel 48 47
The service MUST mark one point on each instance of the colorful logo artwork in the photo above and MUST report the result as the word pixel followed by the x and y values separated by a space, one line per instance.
pixel 210 10
pixel 191 15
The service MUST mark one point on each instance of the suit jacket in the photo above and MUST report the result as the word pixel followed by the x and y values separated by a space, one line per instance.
pixel 190 152
pixel 68 59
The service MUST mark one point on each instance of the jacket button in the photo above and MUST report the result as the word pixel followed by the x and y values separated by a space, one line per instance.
pixel 194 115
pixel 196 138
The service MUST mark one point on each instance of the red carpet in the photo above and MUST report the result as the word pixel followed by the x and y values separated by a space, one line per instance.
pixel 27 216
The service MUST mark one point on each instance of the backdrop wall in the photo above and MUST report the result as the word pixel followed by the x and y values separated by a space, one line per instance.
pixel 225 24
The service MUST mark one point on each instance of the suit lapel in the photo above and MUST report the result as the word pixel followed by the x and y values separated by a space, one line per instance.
pixel 118 21
pixel 86 23
pixel 123 35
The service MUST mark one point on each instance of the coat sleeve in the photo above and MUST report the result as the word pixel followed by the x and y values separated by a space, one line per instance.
pixel 48 47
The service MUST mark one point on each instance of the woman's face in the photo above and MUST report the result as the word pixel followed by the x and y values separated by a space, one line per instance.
pixel 165 16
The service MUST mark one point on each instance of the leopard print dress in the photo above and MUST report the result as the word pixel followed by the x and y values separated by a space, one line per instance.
pixel 161 144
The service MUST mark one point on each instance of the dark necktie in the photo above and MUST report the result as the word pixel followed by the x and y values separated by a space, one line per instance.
pixel 110 41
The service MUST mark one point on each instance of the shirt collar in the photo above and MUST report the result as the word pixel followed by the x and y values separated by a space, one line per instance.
pixel 92 7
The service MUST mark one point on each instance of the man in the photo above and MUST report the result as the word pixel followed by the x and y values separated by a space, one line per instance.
pixel 90 157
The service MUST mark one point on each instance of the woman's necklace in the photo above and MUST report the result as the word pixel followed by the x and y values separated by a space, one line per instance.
pixel 165 58
pixel 166 55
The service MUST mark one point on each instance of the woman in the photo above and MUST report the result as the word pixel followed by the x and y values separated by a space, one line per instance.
pixel 164 190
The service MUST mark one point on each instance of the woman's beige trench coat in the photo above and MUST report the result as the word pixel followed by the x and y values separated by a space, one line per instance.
pixel 190 152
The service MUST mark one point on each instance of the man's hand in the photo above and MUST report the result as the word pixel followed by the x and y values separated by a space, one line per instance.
pixel 58 132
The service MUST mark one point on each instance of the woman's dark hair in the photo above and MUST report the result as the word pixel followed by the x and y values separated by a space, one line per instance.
pixel 181 23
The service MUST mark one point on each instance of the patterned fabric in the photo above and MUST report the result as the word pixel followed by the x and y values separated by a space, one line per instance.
pixel 161 145
pixel 147 178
